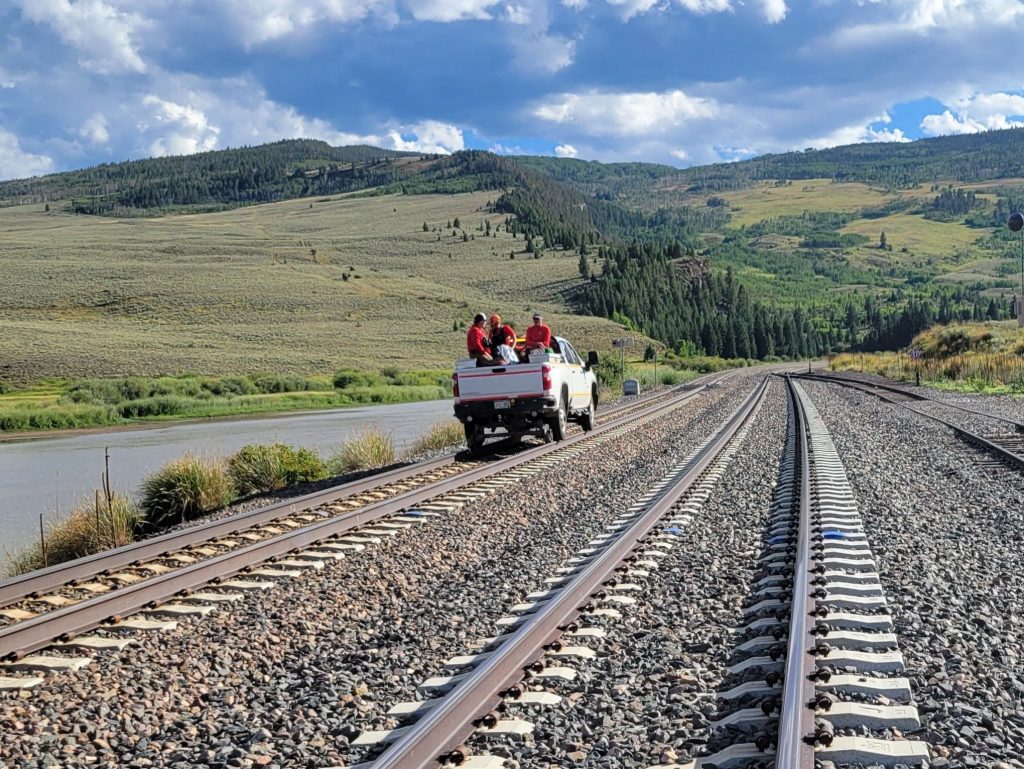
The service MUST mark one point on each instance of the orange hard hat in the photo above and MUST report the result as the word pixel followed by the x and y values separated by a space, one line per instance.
pixel 495 318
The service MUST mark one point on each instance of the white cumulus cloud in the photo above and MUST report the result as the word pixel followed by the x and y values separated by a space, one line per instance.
pixel 625 114
pixel 631 8
pixel 188 128
pixel 104 34
pixel 566 151
pixel 859 133
pixel 976 113
pixel 95 129
pixel 261 21
pixel 429 136
pixel 15 163
pixel 449 10
pixel 774 11
pixel 706 6
pixel 894 19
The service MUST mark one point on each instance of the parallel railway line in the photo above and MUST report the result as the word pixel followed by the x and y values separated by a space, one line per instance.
pixel 59 604
pixel 505 671
pixel 1006 445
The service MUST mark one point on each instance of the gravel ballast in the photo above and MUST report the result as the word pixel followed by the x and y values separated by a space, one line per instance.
pixel 288 677
pixel 947 535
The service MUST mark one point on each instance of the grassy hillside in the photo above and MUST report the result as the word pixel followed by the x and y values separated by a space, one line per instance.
pixel 184 270
pixel 303 286
pixel 974 357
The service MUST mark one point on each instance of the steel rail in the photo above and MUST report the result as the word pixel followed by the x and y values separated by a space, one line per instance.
pixel 448 723
pixel 1011 457
pixel 796 719
pixel 39 582
pixel 38 632
pixel 65 574
pixel 864 385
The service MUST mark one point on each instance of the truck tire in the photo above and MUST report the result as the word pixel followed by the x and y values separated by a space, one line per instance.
pixel 560 423
pixel 474 437
pixel 589 418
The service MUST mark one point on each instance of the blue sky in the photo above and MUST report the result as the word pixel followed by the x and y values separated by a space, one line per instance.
pixel 670 81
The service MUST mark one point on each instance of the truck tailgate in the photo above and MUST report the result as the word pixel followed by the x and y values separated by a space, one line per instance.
pixel 517 381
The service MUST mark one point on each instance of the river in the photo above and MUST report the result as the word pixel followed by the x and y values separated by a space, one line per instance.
pixel 50 475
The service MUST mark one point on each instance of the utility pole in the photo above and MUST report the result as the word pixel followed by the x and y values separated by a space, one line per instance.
pixel 1016 224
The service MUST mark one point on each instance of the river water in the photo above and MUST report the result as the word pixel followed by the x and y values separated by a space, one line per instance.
pixel 50 475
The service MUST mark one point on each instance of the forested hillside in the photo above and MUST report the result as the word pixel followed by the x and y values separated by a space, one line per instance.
pixel 794 254
pixel 218 179
pixel 973 157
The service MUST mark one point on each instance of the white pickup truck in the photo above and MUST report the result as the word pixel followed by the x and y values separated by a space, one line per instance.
pixel 539 397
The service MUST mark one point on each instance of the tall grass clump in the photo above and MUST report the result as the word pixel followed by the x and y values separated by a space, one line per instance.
pixel 90 528
pixel 441 436
pixel 262 467
pixel 346 378
pixel 183 489
pixel 371 448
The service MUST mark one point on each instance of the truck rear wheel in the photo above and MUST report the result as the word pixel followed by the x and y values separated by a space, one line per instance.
pixel 474 437
pixel 589 417
pixel 560 423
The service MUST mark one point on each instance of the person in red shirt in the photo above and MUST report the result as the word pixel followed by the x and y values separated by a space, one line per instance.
pixel 502 340
pixel 538 336
pixel 501 333
pixel 476 342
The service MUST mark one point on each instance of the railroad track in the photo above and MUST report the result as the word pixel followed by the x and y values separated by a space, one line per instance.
pixel 487 690
pixel 817 673
pixel 190 571
pixel 1005 445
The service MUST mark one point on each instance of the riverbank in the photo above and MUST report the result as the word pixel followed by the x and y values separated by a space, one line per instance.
pixel 51 477
pixel 61 407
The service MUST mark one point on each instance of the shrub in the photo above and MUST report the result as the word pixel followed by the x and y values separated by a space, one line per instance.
pixel 184 489
pixel 266 383
pixel 56 417
pixel 441 436
pixel 423 378
pixel 160 405
pixel 346 378
pixel 85 531
pixel 371 448
pixel 231 385
pixel 268 467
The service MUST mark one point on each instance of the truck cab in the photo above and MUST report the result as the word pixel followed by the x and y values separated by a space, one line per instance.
pixel 537 397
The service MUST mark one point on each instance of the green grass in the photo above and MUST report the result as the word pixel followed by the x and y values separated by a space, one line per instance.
pixel 370 449
pixel 185 489
pixel 262 467
pixel 241 290
pixel 971 357
pixel 90 528
pixel 442 436
pixel 108 402
pixel 766 200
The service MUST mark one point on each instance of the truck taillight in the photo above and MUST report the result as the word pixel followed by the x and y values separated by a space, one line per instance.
pixel 455 385
pixel 545 376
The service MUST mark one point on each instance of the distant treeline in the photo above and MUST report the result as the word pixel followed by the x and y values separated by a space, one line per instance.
pixel 972 157
pixel 222 178
pixel 657 290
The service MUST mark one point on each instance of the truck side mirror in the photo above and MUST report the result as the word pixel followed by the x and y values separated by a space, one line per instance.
pixel 592 359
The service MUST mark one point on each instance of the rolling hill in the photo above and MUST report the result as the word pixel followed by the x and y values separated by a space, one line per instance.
pixel 297 256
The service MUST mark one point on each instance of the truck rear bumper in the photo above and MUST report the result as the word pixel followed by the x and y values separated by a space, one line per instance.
pixel 521 413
